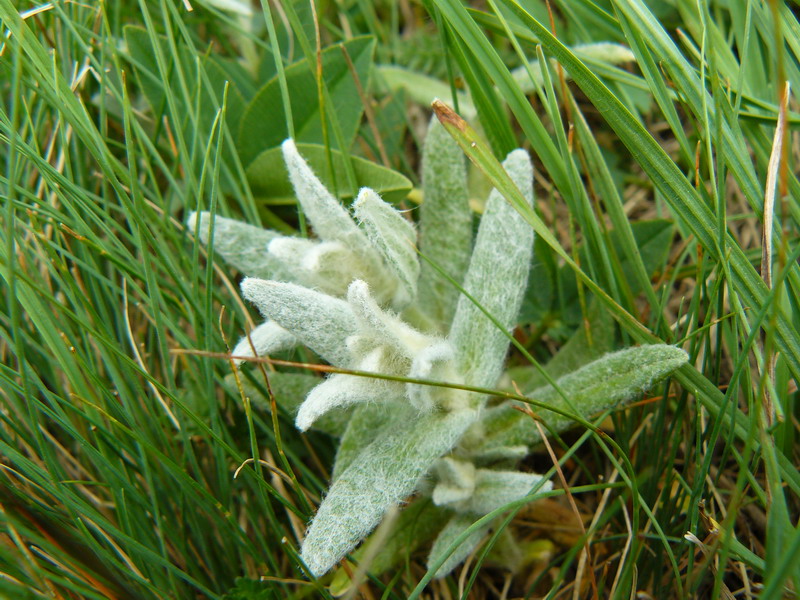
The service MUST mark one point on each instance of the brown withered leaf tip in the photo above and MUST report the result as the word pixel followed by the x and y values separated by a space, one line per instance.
pixel 446 115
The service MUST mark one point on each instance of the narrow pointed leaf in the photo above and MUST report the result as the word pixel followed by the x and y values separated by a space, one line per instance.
pixel 385 326
pixel 591 389
pixel 330 219
pixel 456 481
pixel 341 390
pixel 384 474
pixel 495 489
pixel 326 266
pixel 496 279
pixel 319 321
pixel 395 239
pixel 445 223
pixel 242 246
pixel 265 339
pixel 435 361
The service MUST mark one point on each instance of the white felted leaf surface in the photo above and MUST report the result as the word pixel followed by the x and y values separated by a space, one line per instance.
pixel 434 361
pixel 332 266
pixel 326 266
pixel 495 489
pixel 424 364
pixel 395 239
pixel 329 218
pixel 319 321
pixel 289 249
pixel 445 494
pixel 456 481
pixel 340 390
pixel 497 453
pixel 415 526
pixel 335 392
pixel 496 278
pixel 382 475
pixel 445 223
pixel 367 424
pixel 447 537
pixel 242 246
pixel 289 390
pixel 591 389
pixel 265 339
pixel 383 325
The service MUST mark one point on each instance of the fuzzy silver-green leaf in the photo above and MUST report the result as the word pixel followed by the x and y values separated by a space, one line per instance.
pixel 319 321
pixel 242 246
pixel 384 474
pixel 496 279
pixel 591 389
pixel 456 526
pixel 445 224
pixel 395 238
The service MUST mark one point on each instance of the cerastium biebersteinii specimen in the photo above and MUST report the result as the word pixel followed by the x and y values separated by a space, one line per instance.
pixel 358 297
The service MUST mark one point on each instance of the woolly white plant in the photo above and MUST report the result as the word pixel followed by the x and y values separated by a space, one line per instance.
pixel 357 297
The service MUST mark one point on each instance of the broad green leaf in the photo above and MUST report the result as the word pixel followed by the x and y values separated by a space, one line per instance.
pixel 286 40
pixel 269 179
pixel 391 123
pixel 210 90
pixel 263 125
pixel 421 88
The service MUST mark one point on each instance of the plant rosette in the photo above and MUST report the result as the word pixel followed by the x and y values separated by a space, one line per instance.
pixel 358 296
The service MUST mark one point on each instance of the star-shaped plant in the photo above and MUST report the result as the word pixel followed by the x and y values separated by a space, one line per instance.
pixel 358 297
